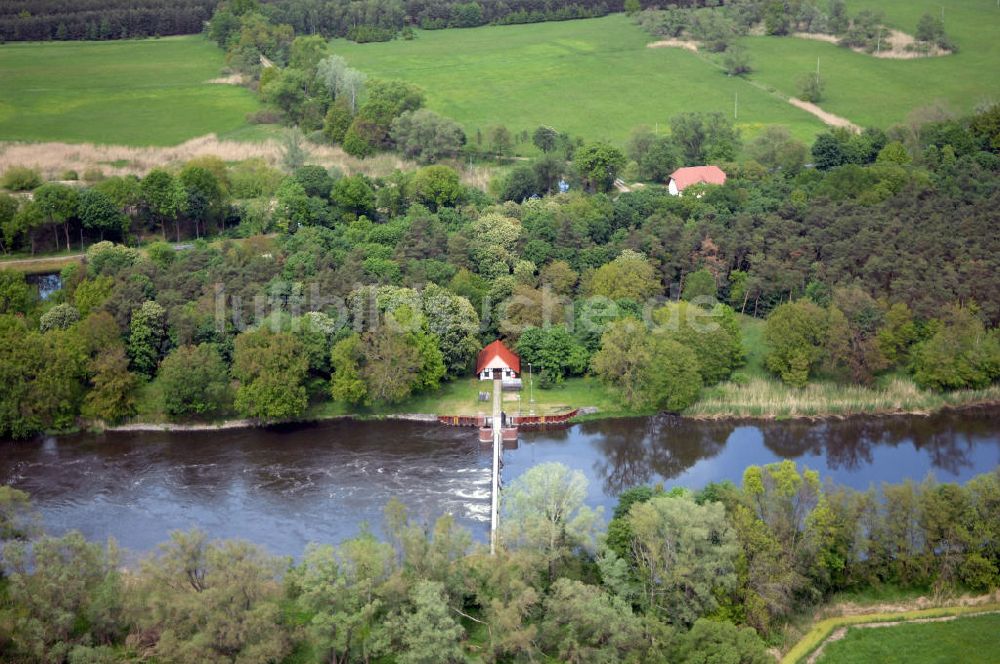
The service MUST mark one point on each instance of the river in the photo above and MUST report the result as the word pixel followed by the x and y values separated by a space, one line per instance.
pixel 283 487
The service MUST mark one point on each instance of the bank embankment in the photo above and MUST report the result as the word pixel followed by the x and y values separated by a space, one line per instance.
pixel 764 398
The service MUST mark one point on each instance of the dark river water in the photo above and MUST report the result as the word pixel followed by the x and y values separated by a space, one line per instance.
pixel 285 487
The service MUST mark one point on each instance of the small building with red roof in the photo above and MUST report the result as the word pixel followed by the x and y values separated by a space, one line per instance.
pixel 498 358
pixel 683 178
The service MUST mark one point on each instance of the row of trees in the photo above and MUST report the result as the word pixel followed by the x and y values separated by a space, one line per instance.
pixel 44 20
pixel 857 337
pixel 197 198
pixel 381 20
pixel 676 576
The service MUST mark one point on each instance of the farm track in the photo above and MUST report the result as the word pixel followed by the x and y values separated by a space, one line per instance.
pixel 827 117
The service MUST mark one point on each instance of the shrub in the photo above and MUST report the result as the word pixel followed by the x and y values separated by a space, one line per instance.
pixel 264 116
pixel 811 88
pixel 93 175
pixel 21 178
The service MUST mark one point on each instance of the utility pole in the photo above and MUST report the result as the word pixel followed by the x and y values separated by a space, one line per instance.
pixel 878 43
pixel 817 66
pixel 736 106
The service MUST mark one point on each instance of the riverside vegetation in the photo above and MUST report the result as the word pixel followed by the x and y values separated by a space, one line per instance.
pixel 675 576
pixel 876 268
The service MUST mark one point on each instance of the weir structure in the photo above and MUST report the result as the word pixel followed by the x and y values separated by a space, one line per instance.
pixel 497 437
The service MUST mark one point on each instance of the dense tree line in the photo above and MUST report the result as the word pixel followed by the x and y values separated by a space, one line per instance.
pixel 882 258
pixel 676 576
pixel 44 20
pixel 379 20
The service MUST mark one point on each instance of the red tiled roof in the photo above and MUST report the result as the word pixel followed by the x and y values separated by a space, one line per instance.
pixel 497 349
pixel 689 175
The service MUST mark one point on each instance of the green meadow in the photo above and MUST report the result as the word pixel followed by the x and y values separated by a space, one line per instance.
pixel 136 92
pixel 596 78
pixel 872 91
pixel 593 78
pixel 971 640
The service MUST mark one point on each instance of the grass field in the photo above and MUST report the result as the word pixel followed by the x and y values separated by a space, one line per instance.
pixel 970 640
pixel 593 78
pixel 137 92
pixel 596 78
pixel 871 91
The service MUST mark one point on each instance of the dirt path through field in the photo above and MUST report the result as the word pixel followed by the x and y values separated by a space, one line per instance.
pixel 675 43
pixel 28 262
pixel 828 118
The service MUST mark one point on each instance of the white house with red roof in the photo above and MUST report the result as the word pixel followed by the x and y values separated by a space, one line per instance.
pixel 498 358
pixel 684 177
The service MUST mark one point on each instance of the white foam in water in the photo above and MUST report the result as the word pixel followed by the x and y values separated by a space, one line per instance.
pixel 479 494
pixel 477 512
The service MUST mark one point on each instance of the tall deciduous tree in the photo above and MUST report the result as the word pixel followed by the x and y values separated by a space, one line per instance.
pixel 598 164
pixel 685 555
pixel 796 334
pixel 194 381
pixel 163 196
pixel 59 204
pixel 98 212
pixel 271 368
pixel 112 393
pixel 429 633
pixel 544 513
pixel 630 276
pixel 148 339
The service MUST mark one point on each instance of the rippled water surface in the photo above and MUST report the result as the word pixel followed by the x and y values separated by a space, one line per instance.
pixel 285 487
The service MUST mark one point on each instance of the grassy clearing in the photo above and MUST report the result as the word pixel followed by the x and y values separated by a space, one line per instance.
pixel 955 652
pixel 460 397
pixel 593 78
pixel 970 639
pixel 457 397
pixel 134 92
pixel 879 92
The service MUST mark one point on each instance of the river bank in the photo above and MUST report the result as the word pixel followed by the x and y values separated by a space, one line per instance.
pixel 769 399
pixel 755 400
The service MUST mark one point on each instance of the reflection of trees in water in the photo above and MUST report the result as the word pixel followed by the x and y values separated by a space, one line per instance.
pixel 633 451
pixel 666 446
pixel 948 438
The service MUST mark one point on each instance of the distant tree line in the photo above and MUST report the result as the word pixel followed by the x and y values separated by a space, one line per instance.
pixel 45 20
pixel 381 20
pixel 359 20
